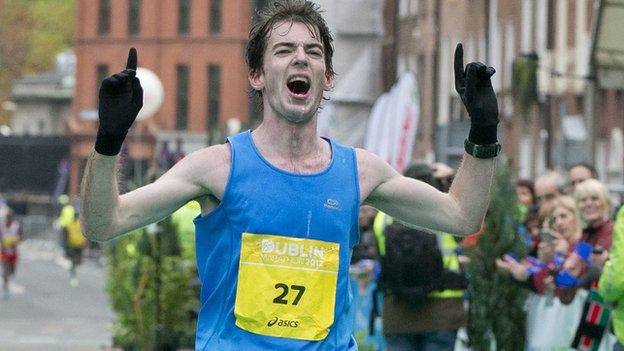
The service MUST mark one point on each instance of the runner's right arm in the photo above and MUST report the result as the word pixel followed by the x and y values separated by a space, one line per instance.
pixel 105 214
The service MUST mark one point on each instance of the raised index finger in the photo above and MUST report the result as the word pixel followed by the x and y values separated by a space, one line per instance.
pixel 459 67
pixel 132 59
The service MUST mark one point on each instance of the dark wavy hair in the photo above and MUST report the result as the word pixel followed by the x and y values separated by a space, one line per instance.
pixel 301 11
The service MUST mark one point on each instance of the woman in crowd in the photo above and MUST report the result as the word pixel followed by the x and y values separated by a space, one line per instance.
pixel 560 249
pixel 594 204
pixel 526 193
pixel 529 224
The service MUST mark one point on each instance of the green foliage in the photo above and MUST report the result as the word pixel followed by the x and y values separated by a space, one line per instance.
pixel 32 33
pixel 496 308
pixel 132 285
pixel 53 32
pixel 15 22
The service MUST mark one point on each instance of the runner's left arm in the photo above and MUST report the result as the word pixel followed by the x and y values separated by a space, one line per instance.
pixel 462 210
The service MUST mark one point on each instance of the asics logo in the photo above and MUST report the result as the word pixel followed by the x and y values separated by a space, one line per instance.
pixel 282 323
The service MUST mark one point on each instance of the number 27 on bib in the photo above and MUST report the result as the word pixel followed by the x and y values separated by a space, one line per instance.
pixel 286 286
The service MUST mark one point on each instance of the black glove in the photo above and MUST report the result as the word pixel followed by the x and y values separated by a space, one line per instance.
pixel 120 100
pixel 475 89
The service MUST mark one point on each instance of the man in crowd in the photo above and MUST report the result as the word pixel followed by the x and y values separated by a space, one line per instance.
pixel 547 188
pixel 579 172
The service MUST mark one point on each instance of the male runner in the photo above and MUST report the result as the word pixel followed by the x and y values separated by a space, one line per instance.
pixel 279 204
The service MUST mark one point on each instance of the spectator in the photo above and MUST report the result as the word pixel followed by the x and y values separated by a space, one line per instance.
pixel 592 198
pixel 579 172
pixel 557 251
pixel 432 325
pixel 367 247
pixel 526 206
pixel 547 188
pixel 443 176
pixel 611 285
pixel 526 193
pixel 563 232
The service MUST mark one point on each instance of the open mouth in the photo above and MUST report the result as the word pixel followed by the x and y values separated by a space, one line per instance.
pixel 298 86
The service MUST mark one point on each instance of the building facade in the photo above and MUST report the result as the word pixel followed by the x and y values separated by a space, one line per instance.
pixel 562 125
pixel 195 47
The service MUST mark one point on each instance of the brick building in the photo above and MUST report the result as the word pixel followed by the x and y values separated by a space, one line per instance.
pixel 196 47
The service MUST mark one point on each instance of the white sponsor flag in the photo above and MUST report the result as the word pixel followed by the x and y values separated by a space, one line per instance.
pixel 375 127
pixel 393 122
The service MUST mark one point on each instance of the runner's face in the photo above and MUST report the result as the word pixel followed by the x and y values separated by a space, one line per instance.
pixel 293 76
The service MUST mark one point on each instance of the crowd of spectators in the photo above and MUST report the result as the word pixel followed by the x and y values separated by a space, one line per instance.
pixel 572 268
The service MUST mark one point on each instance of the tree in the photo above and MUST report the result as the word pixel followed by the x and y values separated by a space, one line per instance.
pixel 52 32
pixel 15 24
pixel 32 33
pixel 152 291
pixel 496 302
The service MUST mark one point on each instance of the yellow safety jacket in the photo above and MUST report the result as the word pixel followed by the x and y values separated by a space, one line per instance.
pixel 446 244
pixel 75 239
pixel 67 215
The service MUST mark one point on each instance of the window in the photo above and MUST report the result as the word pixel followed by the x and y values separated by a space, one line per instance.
pixel 214 96
pixel 134 17
pixel 182 97
pixel 184 13
pixel 104 12
pixel 101 74
pixel 403 8
pixel 413 7
pixel 215 16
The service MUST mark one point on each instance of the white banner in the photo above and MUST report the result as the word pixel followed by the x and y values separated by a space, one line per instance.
pixel 393 122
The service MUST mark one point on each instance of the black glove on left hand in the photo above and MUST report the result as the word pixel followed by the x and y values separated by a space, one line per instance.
pixel 475 89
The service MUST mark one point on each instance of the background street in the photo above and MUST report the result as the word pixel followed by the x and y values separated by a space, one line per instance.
pixel 44 313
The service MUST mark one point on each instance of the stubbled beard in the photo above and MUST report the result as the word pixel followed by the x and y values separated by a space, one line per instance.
pixel 298 119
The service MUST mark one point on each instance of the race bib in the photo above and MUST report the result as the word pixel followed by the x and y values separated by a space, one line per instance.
pixel 9 241
pixel 286 286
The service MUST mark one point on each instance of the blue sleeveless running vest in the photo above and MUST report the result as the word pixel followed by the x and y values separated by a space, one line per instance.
pixel 261 198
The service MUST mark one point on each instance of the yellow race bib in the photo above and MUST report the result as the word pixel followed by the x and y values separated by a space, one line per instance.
pixel 286 286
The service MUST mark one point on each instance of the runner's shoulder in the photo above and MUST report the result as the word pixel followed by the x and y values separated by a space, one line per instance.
pixel 209 167
pixel 210 157
pixel 372 171
pixel 373 165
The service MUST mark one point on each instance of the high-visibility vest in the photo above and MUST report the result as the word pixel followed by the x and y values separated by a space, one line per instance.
pixel 446 244
pixel 75 239
pixel 67 215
